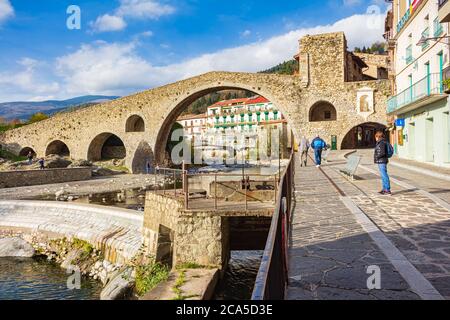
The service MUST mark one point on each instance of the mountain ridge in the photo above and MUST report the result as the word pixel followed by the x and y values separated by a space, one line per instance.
pixel 24 109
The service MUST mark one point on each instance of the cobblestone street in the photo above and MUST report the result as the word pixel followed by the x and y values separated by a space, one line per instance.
pixel 340 228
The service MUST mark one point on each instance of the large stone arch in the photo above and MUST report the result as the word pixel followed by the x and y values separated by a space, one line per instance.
pixel 142 156
pixel 57 147
pixel 106 146
pixel 361 136
pixel 183 102
pixel 135 123
pixel 322 111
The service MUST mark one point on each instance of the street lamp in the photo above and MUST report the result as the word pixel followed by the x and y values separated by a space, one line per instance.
pixel 424 39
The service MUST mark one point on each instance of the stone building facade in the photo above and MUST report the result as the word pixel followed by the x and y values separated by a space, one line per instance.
pixel 141 123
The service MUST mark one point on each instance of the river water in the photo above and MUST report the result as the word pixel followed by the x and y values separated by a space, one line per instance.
pixel 240 276
pixel 39 279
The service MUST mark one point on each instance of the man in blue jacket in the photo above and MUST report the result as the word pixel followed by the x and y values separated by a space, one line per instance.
pixel 318 145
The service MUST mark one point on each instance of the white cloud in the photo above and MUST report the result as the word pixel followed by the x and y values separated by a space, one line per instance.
pixel 144 9
pixel 117 68
pixel 128 9
pixel 246 33
pixel 26 82
pixel 6 10
pixel 108 23
pixel 351 3
pixel 103 67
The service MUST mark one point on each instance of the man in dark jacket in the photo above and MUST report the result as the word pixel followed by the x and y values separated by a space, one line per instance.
pixel 381 158
pixel 318 145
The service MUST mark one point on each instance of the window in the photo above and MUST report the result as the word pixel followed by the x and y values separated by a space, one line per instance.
pixel 408 54
pixel 409 57
pixel 327 115
pixel 438 30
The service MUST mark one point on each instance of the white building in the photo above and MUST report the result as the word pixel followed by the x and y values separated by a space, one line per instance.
pixel 256 118
pixel 420 103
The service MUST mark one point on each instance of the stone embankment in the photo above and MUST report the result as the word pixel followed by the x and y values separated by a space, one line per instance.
pixel 101 242
pixel 117 232
pixel 74 255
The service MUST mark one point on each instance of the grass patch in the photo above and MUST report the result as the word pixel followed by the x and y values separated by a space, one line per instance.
pixel 85 246
pixel 190 265
pixel 10 156
pixel 149 276
pixel 181 280
pixel 115 168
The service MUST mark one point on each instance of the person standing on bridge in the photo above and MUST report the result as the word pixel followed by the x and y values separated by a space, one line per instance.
pixel 304 150
pixel 383 151
pixel 318 144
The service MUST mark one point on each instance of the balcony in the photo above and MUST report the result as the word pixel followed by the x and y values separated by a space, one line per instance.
pixel 444 11
pixel 422 93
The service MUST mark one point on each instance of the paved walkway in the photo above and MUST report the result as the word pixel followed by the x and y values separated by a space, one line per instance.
pixel 339 232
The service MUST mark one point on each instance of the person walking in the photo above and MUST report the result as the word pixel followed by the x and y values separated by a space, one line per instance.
pixel 318 144
pixel 383 151
pixel 304 150
pixel 41 163
pixel 30 158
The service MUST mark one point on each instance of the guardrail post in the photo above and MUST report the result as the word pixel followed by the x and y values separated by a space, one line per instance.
pixel 175 182
pixel 275 188
pixel 215 191
pixel 164 181
pixel 246 181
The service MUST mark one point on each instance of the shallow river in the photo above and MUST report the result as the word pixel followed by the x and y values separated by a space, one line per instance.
pixel 38 279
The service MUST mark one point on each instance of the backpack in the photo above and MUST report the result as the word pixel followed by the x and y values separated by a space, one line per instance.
pixel 318 144
pixel 390 150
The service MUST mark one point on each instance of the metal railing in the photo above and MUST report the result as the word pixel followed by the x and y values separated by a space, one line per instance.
pixel 213 191
pixel 272 277
pixel 429 85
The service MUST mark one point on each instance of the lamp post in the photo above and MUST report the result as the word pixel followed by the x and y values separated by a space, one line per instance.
pixel 424 39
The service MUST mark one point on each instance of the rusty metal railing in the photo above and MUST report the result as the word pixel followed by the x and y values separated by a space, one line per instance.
pixel 272 277
pixel 215 190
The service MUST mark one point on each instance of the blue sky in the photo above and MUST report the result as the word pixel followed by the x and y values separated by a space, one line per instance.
pixel 125 46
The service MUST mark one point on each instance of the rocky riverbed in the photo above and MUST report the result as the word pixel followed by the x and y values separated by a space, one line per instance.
pixel 74 255
pixel 96 185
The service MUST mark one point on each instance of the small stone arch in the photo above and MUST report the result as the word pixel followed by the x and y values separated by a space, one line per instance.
pixel 106 146
pixel 135 123
pixel 362 136
pixel 143 156
pixel 25 151
pixel 322 111
pixel 57 147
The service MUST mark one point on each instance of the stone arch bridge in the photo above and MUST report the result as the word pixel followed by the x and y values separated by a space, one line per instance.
pixel 137 127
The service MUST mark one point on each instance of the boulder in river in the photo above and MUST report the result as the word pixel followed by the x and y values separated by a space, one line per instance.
pixel 16 247
pixel 120 287
pixel 54 161
pixel 80 164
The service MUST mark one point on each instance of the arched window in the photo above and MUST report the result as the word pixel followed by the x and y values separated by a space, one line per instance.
pixel 322 111
pixel 135 123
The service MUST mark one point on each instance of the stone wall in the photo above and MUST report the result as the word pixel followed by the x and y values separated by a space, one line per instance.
pixel 198 237
pixel 11 179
